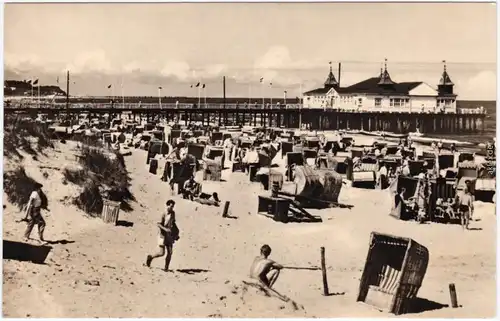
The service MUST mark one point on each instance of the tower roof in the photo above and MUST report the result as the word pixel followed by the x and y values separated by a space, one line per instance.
pixel 385 78
pixel 445 78
pixel 330 80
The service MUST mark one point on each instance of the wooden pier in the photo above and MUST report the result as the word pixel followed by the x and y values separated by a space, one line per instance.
pixel 465 121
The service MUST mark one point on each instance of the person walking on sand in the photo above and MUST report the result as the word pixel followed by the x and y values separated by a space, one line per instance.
pixel 265 270
pixel 465 202
pixel 167 235
pixel 33 214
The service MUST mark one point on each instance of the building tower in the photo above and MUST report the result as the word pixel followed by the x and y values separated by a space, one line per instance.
pixel 445 86
pixel 331 82
pixel 385 78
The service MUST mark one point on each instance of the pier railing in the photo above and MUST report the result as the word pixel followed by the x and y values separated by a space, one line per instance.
pixel 242 107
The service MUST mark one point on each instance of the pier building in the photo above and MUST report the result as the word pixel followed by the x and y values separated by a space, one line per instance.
pixel 383 94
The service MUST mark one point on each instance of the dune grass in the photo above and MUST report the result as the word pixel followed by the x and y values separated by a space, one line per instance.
pixel 104 175
pixel 26 135
pixel 32 138
pixel 18 187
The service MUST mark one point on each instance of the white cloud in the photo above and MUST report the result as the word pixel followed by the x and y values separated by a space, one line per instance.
pixel 140 67
pixel 21 62
pixel 276 57
pixel 481 86
pixel 29 64
pixel 87 62
pixel 91 62
pixel 178 69
pixel 277 66
pixel 212 71
pixel 279 58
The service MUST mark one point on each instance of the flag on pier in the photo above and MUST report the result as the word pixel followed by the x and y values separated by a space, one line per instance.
pixel 35 82
pixel 57 80
pixel 198 85
pixel 191 86
pixel 261 79
pixel 270 84
pixel 160 87
pixel 109 86
pixel 203 86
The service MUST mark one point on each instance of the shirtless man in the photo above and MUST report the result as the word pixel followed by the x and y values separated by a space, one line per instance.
pixel 465 201
pixel 167 235
pixel 265 270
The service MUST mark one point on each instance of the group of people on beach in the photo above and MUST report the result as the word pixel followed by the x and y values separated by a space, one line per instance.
pixel 264 270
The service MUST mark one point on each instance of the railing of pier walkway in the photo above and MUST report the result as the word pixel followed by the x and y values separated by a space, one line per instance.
pixel 167 106
pixel 170 106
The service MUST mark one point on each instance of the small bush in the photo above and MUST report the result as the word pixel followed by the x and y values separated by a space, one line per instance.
pixel 92 141
pixel 37 130
pixel 27 135
pixel 75 176
pixel 102 176
pixel 90 200
pixel 18 187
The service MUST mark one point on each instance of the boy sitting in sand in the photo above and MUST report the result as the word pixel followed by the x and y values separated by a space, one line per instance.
pixel 190 189
pixel 265 270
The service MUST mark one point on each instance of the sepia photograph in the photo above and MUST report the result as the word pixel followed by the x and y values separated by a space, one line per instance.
pixel 249 160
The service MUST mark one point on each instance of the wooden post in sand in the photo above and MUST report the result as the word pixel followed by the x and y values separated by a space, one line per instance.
pixel 323 270
pixel 226 209
pixel 453 296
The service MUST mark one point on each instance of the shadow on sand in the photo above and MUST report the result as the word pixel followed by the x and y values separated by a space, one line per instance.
pixel 192 271
pixel 124 223
pixel 335 293
pixel 420 305
pixel 25 252
pixel 63 242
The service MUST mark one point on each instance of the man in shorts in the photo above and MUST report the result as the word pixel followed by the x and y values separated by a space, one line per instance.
pixel 33 214
pixel 167 235
pixel 466 204
pixel 265 270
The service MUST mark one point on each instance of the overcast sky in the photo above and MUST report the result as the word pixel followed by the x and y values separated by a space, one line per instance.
pixel 176 45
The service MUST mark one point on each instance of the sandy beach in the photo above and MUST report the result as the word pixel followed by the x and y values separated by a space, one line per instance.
pixel 97 270
pixel 93 91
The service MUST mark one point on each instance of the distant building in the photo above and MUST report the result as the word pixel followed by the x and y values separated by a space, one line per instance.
pixel 383 94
